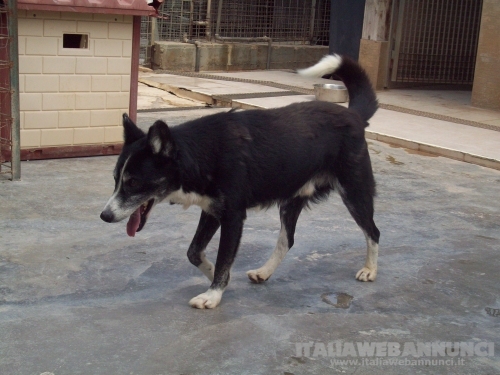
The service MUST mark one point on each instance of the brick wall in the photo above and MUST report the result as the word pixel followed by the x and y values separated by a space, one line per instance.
pixel 73 96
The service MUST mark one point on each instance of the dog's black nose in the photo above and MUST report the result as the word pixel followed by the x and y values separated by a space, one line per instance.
pixel 106 216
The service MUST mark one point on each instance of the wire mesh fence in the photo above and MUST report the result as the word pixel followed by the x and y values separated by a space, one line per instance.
pixel 305 22
pixel 144 53
pixel 5 117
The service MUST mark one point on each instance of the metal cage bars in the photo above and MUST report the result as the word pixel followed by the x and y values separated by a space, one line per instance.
pixel 436 41
pixel 284 21
pixel 9 91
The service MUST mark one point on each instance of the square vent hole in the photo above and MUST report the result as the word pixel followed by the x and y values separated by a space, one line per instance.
pixel 75 41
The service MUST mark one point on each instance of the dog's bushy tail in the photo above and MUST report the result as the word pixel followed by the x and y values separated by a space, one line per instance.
pixel 362 98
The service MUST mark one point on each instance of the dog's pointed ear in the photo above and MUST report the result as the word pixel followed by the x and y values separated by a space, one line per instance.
pixel 160 140
pixel 131 132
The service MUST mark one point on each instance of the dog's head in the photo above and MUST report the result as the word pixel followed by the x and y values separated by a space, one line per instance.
pixel 146 172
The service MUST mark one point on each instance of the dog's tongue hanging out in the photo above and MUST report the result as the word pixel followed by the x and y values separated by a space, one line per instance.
pixel 133 222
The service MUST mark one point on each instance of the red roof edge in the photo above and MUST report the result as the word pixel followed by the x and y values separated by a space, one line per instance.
pixel 127 7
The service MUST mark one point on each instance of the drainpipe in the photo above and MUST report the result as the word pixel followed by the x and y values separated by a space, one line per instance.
pixel 219 14
pixel 229 54
pixel 259 39
pixel 197 44
pixel 152 39
pixel 191 11
pixel 208 31
pixel 313 17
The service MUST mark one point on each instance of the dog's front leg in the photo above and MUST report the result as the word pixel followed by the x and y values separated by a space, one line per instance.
pixel 207 227
pixel 231 229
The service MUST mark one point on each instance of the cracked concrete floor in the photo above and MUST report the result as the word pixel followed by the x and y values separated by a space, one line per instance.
pixel 77 296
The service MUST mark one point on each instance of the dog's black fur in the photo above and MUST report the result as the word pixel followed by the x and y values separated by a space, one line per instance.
pixel 229 162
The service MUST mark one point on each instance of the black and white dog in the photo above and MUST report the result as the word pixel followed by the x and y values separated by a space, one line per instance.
pixel 229 162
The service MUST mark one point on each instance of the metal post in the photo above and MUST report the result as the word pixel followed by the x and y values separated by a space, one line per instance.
pixel 191 15
pixel 14 84
pixel 154 31
pixel 346 27
pixel 313 19
pixel 208 32
pixel 134 68
pixel 219 14
pixel 269 50
pixel 153 37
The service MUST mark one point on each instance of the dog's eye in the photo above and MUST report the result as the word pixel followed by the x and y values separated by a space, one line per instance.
pixel 133 182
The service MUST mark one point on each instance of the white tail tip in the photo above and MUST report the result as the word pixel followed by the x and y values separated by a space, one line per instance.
pixel 327 65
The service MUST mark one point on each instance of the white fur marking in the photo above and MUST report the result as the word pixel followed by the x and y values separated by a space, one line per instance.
pixel 318 181
pixel 189 199
pixel 113 204
pixel 369 271
pixel 307 190
pixel 206 267
pixel 263 273
pixel 339 189
pixel 156 145
pixel 255 208
pixel 208 300
pixel 327 65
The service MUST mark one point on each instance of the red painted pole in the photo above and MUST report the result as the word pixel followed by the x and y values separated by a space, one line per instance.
pixel 134 67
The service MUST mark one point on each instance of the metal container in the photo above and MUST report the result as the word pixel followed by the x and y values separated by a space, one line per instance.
pixel 331 92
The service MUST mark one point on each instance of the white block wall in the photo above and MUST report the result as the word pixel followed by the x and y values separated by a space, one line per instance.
pixel 73 96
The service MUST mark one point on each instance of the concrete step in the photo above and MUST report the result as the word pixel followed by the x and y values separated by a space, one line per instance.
pixel 430 132
pixel 455 141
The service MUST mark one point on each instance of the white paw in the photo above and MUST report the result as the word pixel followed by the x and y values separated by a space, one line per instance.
pixel 208 300
pixel 366 274
pixel 258 276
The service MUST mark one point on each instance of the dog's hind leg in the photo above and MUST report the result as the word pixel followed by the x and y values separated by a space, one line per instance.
pixel 362 212
pixel 207 227
pixel 357 191
pixel 369 271
pixel 231 229
pixel 289 213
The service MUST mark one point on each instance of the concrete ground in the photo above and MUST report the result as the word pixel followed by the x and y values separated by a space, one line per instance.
pixel 77 296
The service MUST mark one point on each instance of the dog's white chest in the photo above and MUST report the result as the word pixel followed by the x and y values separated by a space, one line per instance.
pixel 189 199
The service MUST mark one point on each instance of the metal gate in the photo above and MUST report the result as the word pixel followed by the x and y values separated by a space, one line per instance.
pixel 435 41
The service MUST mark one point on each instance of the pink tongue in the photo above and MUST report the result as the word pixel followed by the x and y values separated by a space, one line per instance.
pixel 133 222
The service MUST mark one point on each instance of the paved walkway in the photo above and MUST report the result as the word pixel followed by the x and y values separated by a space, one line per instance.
pixel 434 121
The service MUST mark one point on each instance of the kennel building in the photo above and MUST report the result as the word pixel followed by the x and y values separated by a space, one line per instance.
pixel 233 35
pixel 432 43
pixel 78 70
